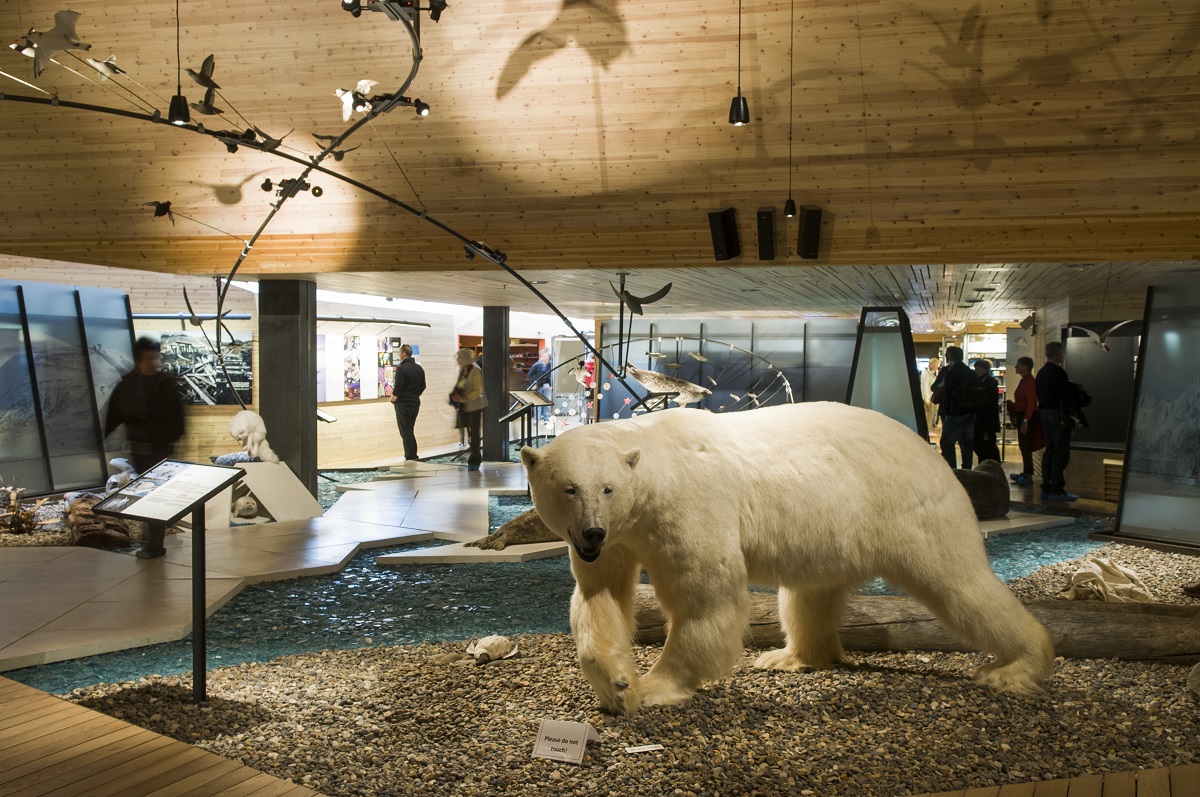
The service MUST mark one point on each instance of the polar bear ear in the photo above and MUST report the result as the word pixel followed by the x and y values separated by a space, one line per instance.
pixel 633 456
pixel 529 457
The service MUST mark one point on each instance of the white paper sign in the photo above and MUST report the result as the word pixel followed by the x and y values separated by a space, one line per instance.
pixel 564 741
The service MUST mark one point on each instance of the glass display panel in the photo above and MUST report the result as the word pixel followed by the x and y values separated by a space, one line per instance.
pixel 882 379
pixel 1160 498
pixel 68 413
pixel 22 459
pixel 828 355
pixel 106 327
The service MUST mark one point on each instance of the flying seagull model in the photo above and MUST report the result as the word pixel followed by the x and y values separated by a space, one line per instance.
pixel 61 37
pixel 1101 339
pixel 204 76
pixel 634 303
pixel 162 209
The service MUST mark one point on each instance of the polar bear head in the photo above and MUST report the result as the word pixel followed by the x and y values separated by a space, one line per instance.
pixel 584 489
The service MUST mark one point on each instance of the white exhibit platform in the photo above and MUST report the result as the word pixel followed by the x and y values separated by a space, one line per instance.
pixel 459 553
pixel 1022 521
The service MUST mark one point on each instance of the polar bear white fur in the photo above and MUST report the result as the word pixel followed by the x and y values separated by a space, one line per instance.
pixel 247 428
pixel 812 498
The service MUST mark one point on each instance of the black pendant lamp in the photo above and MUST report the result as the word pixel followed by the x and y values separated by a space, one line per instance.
pixel 739 110
pixel 178 113
pixel 789 207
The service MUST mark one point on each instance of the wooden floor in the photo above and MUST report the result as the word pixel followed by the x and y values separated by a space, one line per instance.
pixel 51 747
pixel 1183 781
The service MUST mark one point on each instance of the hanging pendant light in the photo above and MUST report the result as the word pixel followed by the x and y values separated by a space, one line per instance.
pixel 739 109
pixel 790 205
pixel 178 113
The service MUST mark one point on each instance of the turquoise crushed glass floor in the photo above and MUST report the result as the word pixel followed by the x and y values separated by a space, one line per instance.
pixel 365 605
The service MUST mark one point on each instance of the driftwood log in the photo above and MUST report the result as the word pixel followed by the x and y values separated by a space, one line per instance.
pixel 1081 629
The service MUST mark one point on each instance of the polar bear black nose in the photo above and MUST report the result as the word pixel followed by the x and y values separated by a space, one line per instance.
pixel 593 538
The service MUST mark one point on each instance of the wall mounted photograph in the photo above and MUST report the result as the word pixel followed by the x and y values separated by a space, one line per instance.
pixel 190 357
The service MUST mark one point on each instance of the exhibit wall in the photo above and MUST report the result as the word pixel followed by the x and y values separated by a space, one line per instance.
pixel 743 364
pixel 1160 494
pixel 59 368
pixel 1108 376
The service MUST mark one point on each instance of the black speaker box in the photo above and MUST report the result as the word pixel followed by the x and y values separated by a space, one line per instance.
pixel 809 240
pixel 723 225
pixel 766 234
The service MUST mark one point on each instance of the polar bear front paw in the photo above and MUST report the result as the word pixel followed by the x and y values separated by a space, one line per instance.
pixel 618 694
pixel 658 690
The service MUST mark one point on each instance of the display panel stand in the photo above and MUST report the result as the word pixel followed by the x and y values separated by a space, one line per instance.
pixel 524 403
pixel 164 494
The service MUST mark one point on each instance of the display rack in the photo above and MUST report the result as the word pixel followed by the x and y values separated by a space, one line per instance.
pixel 523 351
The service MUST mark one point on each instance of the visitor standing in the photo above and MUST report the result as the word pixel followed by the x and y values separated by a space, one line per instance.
pixel 539 380
pixel 987 412
pixel 929 375
pixel 1055 395
pixel 1023 410
pixel 469 400
pixel 148 402
pixel 953 396
pixel 406 399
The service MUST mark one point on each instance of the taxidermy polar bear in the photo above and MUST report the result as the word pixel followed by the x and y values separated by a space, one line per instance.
pixel 812 498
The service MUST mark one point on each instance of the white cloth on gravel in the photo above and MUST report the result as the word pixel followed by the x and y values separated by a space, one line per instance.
pixel 1103 579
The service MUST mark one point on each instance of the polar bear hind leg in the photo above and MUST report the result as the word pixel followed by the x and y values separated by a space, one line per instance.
pixel 810 619
pixel 985 613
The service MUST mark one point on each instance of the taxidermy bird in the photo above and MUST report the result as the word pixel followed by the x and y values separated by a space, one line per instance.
pixel 162 209
pixel 697 357
pixel 355 99
pixel 661 383
pixel 61 37
pixel 337 154
pixel 1101 339
pixel 107 68
pixel 206 106
pixel 634 303
pixel 204 76
pixel 271 144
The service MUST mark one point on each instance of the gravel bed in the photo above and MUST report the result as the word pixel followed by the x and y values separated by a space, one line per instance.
pixel 390 721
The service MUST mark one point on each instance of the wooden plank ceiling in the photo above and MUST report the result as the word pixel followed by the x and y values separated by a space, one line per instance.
pixel 951 146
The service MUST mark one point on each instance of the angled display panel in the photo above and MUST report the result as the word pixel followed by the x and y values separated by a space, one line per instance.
pixel 106 331
pixel 1160 492
pixel 884 372
pixel 22 456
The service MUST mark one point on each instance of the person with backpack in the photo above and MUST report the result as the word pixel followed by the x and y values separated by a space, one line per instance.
pixel 953 394
pixel 987 412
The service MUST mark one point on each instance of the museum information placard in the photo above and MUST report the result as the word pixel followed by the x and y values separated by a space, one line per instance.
pixel 168 491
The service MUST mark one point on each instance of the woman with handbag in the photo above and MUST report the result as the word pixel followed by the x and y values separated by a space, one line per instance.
pixel 470 401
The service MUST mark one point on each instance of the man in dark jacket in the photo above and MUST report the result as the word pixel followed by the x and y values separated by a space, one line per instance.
pixel 987 414
pixel 406 399
pixel 1055 393
pixel 954 382
pixel 148 402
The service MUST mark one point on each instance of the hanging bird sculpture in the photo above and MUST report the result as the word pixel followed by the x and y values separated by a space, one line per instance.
pixel 107 68
pixel 337 154
pixel 355 99
pixel 204 76
pixel 634 303
pixel 1101 339
pixel 162 209
pixel 206 105
pixel 61 37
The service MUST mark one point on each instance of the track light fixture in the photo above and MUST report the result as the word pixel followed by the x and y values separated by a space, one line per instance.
pixel 178 113
pixel 422 108
pixel 394 8
pixel 739 109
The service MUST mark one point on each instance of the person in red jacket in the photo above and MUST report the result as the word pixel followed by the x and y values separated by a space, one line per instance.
pixel 1023 410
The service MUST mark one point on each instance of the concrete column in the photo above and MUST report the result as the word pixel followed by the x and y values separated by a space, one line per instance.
pixel 287 373
pixel 495 383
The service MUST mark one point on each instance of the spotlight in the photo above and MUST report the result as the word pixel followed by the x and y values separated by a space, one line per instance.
pixel 231 147
pixel 436 7
pixel 316 190
pixel 422 108
pixel 739 111
pixel 789 208
pixel 178 114
pixel 267 185
pixel 470 252
pixel 353 6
